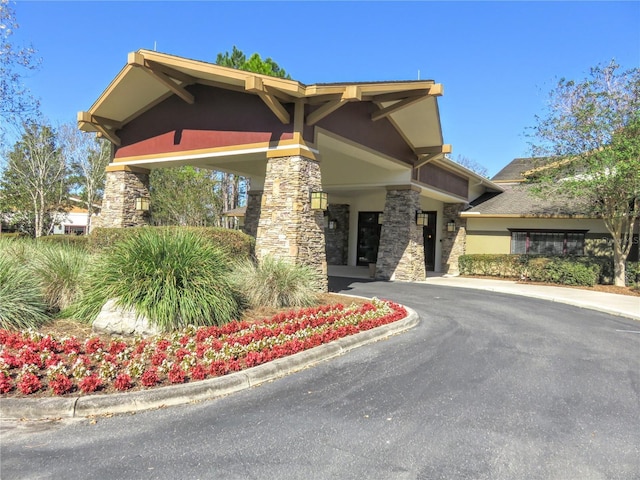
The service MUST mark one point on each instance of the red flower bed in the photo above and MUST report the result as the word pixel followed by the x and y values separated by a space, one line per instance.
pixel 32 363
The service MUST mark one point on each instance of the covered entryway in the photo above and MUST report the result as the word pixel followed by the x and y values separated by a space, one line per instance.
pixel 368 147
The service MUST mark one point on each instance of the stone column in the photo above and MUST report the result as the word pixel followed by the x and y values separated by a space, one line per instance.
pixel 453 243
pixel 401 249
pixel 338 237
pixel 252 213
pixel 288 229
pixel 123 185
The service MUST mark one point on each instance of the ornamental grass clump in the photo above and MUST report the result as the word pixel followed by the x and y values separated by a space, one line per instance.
pixel 60 268
pixel 174 278
pixel 275 283
pixel 22 305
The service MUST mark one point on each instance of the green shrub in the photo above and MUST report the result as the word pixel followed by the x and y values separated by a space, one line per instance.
pixel 493 265
pixel 173 277
pixel 563 271
pixel 234 242
pixel 275 283
pixel 60 269
pixel 80 241
pixel 21 302
pixel 632 273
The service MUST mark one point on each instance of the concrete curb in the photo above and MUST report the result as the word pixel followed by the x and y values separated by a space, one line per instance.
pixel 83 406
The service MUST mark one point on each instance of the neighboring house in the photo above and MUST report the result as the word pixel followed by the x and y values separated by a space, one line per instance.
pixel 234 218
pixel 71 222
pixel 74 221
pixel 517 221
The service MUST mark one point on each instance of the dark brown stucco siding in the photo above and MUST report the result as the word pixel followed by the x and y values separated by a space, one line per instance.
pixel 443 180
pixel 218 118
pixel 353 121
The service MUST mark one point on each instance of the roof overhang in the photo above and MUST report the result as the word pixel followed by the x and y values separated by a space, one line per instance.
pixel 150 77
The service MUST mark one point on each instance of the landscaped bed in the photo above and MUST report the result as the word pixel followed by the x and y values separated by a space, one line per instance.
pixel 33 363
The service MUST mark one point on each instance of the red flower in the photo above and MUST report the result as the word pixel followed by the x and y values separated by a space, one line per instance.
pixel 93 345
pixel 116 347
pixel 163 344
pixel 218 368
pixel 176 374
pixel 61 384
pixel 198 372
pixel 123 382
pixel 150 377
pixel 90 383
pixel 29 383
pixel 157 358
pixel 48 343
pixel 71 345
pixel 6 384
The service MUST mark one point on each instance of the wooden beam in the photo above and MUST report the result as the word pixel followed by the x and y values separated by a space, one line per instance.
pixel 427 154
pixel 171 85
pixel 390 97
pixel 171 72
pixel 108 134
pixel 254 84
pixel 104 127
pixel 385 112
pixel 136 59
pixel 445 148
pixel 425 159
pixel 323 111
pixel 114 124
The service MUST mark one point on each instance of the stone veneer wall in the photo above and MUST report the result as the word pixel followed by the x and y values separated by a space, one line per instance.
pixel 119 201
pixel 401 249
pixel 338 239
pixel 288 229
pixel 252 213
pixel 453 243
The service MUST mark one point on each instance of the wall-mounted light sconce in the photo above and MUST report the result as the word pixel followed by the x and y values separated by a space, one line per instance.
pixel 333 224
pixel 142 204
pixel 422 218
pixel 380 218
pixel 451 226
pixel 319 200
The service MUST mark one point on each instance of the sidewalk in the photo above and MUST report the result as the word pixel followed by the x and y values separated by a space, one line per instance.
pixel 622 305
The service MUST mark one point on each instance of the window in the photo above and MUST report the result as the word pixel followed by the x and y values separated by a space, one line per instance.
pixel 547 242
pixel 74 229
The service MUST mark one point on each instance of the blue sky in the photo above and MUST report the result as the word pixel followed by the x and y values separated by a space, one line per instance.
pixel 496 60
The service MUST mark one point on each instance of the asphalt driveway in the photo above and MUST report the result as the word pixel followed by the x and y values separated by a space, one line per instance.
pixel 488 386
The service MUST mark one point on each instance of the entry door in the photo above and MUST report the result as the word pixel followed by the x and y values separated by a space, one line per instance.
pixel 429 237
pixel 368 237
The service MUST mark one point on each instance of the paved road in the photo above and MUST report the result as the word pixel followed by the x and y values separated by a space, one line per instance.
pixel 488 386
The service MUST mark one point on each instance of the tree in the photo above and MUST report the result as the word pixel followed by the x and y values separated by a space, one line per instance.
pixel 185 196
pixel 589 145
pixel 472 165
pixel 87 158
pixel 238 60
pixel 36 178
pixel 15 101
pixel 233 186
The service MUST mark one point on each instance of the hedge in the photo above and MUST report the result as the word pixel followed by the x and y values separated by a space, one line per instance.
pixel 81 241
pixel 234 242
pixel 583 271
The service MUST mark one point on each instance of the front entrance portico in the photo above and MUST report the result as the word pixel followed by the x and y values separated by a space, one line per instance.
pixel 372 147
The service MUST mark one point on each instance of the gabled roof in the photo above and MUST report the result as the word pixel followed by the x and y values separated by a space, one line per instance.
pixel 514 171
pixel 520 201
pixel 149 77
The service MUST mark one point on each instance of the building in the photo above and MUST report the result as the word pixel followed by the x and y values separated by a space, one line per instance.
pixel 341 173
pixel 517 221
